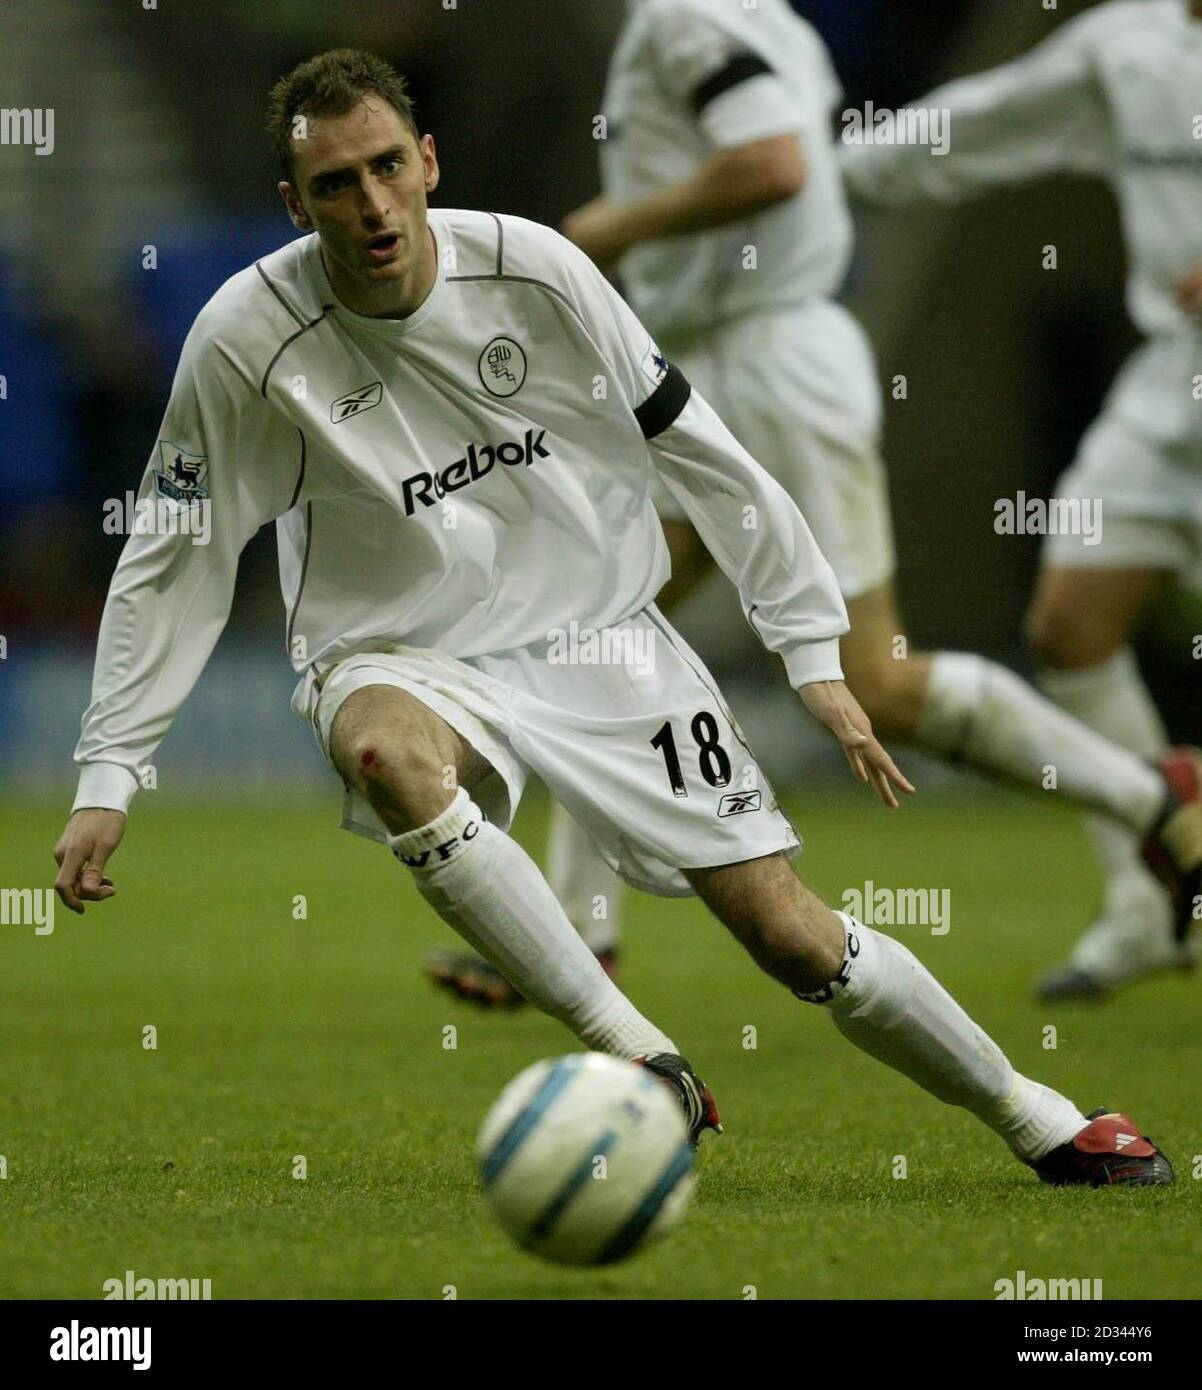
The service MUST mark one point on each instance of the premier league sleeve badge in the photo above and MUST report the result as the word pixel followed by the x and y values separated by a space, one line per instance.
pixel 181 476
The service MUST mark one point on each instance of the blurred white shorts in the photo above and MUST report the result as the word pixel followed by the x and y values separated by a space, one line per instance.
pixel 1151 498
pixel 798 390
pixel 641 748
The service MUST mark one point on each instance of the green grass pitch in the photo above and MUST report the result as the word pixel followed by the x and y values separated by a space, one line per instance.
pixel 280 1037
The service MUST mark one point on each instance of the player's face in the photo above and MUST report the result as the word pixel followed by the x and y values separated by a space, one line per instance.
pixel 360 181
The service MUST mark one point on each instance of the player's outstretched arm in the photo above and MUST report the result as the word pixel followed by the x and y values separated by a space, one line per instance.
pixel 1042 113
pixel 834 705
pixel 219 469
pixel 83 850
pixel 732 184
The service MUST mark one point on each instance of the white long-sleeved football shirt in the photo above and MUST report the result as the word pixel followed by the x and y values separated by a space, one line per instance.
pixel 1116 92
pixel 687 78
pixel 465 479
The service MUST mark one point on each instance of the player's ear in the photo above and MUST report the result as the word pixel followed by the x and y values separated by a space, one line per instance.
pixel 300 218
pixel 429 162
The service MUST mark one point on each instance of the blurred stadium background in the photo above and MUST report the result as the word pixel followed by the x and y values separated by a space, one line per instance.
pixel 159 142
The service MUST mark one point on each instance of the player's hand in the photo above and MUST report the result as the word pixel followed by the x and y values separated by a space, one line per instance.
pixel 835 706
pixel 597 229
pixel 1189 292
pixel 83 849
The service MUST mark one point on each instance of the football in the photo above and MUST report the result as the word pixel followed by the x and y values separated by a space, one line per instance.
pixel 585 1159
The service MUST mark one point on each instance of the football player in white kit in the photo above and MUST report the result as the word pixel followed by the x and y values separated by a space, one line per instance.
pixel 1114 92
pixel 442 506
pixel 723 207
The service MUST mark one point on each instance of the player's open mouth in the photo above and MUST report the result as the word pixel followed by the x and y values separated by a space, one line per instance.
pixel 383 247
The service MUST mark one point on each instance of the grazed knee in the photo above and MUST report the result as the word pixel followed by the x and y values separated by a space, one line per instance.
pixel 391 765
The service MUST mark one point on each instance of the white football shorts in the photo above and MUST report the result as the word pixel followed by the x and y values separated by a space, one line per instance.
pixel 625 727
pixel 1142 459
pixel 798 389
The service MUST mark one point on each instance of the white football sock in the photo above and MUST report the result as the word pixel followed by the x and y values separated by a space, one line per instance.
pixel 1113 699
pixel 590 891
pixel 485 886
pixel 886 1002
pixel 985 715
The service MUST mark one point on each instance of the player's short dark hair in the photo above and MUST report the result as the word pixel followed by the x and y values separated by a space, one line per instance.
pixel 331 84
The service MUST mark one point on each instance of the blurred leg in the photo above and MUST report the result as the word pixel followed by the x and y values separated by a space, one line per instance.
pixel 691 563
pixel 1080 622
pixel 961 706
pixel 1080 618
pixel 590 891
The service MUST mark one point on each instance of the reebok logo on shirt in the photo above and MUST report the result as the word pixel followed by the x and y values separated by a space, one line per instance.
pixel 356 402
pixel 428 488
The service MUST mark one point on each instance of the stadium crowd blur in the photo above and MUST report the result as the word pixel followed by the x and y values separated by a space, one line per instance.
pixel 160 152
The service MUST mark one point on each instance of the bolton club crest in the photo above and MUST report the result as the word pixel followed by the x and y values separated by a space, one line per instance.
pixel 502 367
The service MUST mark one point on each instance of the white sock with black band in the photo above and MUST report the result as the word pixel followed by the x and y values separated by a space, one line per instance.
pixel 886 1002
pixel 484 885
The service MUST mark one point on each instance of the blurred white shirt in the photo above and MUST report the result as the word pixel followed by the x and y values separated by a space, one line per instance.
pixel 689 77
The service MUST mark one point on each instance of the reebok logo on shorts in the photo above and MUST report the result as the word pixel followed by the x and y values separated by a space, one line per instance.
pixel 736 803
pixel 428 488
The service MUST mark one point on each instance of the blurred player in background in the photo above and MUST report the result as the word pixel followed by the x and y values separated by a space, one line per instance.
pixel 723 208
pixel 1116 92
pixel 441 507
